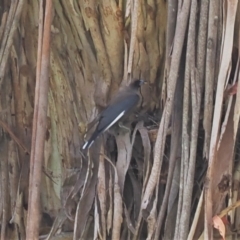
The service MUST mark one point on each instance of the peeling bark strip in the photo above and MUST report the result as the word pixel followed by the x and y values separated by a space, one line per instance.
pixel 160 142
pixel 227 43
pixel 39 121
pixel 4 187
pixel 10 29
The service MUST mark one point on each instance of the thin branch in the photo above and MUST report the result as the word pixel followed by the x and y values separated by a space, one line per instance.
pixel 39 121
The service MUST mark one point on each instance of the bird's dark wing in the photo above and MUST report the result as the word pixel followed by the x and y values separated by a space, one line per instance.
pixel 114 110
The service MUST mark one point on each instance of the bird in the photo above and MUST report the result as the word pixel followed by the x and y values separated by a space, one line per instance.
pixel 118 109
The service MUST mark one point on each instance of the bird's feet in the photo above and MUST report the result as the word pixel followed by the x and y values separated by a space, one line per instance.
pixel 123 128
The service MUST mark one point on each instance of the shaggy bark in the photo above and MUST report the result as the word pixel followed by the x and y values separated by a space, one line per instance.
pixel 150 182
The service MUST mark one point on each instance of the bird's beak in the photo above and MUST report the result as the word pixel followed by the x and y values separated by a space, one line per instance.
pixel 143 82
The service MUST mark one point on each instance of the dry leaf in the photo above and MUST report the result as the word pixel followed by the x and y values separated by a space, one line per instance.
pixel 218 224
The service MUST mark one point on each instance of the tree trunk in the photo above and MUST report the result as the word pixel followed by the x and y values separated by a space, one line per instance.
pixel 61 64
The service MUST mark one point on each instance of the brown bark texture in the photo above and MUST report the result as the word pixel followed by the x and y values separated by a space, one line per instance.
pixel 174 173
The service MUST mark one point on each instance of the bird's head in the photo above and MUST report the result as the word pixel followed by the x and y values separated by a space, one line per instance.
pixel 137 83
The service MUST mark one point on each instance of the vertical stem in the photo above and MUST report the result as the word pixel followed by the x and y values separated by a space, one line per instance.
pixel 39 121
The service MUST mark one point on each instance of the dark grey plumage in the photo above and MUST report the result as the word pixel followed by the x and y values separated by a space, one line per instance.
pixel 119 108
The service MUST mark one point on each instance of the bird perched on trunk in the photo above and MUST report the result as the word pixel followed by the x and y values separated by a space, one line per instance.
pixel 118 109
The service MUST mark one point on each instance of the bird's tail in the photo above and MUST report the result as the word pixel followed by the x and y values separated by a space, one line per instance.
pixel 91 140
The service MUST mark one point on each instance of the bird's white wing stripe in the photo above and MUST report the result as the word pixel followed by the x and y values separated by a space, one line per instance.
pixel 115 120
pixel 85 144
